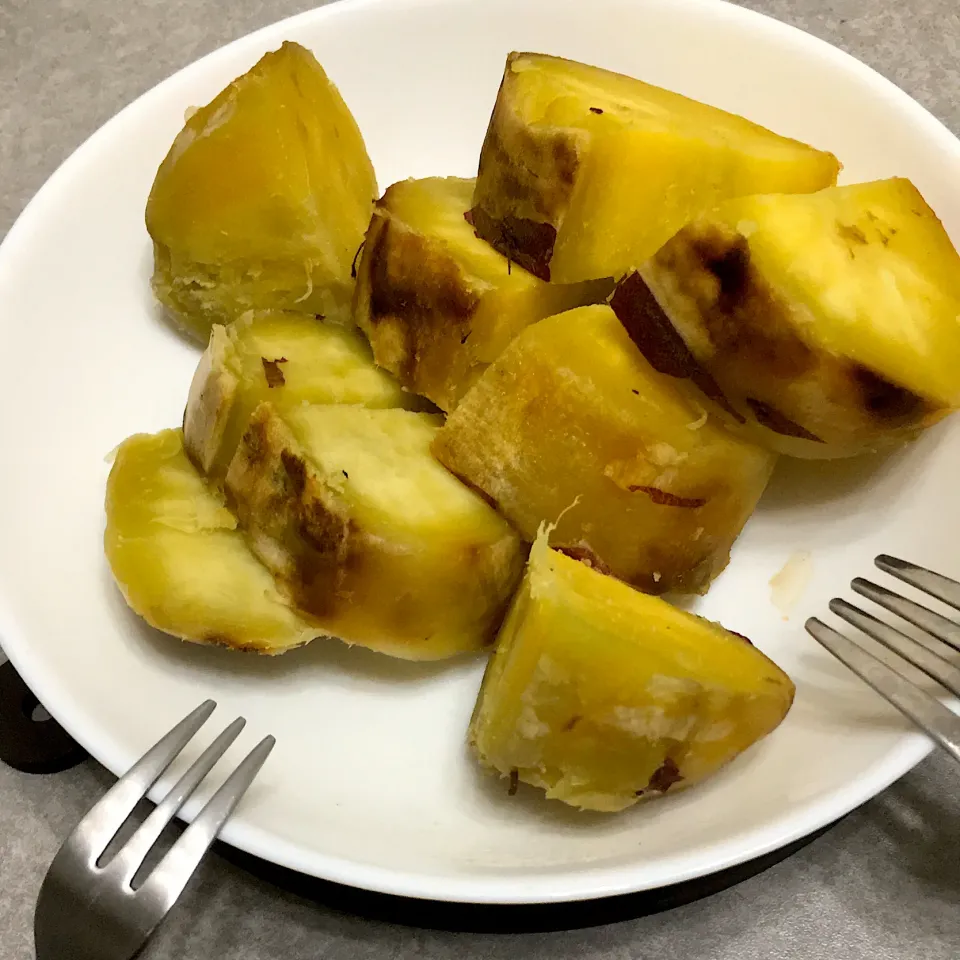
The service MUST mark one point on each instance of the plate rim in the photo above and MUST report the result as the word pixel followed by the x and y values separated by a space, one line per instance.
pixel 591 883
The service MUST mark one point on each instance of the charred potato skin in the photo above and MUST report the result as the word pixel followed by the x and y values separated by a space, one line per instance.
pixel 292 521
pixel 395 598
pixel 416 306
pixel 548 435
pixel 742 337
pixel 520 206
pixel 432 320
pixel 540 180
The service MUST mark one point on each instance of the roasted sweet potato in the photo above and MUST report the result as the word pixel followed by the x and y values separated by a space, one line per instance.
pixel 602 696
pixel 369 534
pixel 179 559
pixel 438 303
pixel 286 358
pixel 571 425
pixel 262 200
pixel 827 323
pixel 585 173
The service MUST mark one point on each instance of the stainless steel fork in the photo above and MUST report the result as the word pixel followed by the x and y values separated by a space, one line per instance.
pixel 927 652
pixel 89 909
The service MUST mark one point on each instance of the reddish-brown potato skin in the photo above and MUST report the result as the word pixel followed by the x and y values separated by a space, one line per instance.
pixel 520 206
pixel 745 352
pixel 573 190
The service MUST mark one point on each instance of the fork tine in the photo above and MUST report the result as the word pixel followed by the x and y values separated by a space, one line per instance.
pixel 922 657
pixel 171 875
pixel 100 825
pixel 938 626
pixel 130 858
pixel 924 710
pixel 937 585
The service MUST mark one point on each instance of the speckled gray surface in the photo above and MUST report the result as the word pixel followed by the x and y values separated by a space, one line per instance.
pixel 882 885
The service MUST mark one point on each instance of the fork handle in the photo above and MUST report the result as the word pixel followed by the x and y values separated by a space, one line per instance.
pixel 28 745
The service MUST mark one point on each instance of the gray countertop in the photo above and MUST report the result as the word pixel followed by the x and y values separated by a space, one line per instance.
pixel 883 884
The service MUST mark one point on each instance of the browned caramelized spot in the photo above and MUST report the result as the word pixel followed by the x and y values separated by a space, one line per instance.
pixel 664 499
pixel 514 783
pixel 222 640
pixel 596 110
pixel 296 471
pixel 272 371
pixel 771 418
pixel 851 233
pixel 468 216
pixel 423 295
pixel 585 555
pixel 322 559
pixel 884 400
pixel 255 441
pixel 528 243
pixel 656 338
pixel 566 162
pixel 741 636
pixel 572 722
pixel 665 776
pixel 356 257
pixel 730 264
pixel 746 322
pixel 319 528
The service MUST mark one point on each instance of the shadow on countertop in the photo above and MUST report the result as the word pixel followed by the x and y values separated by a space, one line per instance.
pixel 507 919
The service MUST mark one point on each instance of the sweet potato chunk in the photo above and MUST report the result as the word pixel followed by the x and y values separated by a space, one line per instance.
pixel 827 322
pixel 571 425
pixel 369 534
pixel 585 173
pixel 179 559
pixel 601 695
pixel 439 304
pixel 262 200
pixel 286 358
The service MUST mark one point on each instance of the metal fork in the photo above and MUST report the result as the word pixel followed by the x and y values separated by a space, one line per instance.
pixel 926 652
pixel 90 910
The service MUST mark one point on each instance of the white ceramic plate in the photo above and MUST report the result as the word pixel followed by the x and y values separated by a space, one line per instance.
pixel 370 783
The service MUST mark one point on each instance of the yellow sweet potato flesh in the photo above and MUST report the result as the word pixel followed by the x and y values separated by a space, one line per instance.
pixel 262 200
pixel 585 173
pixel 286 358
pixel 437 303
pixel 369 534
pixel 571 425
pixel 179 559
pixel 601 695
pixel 828 322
